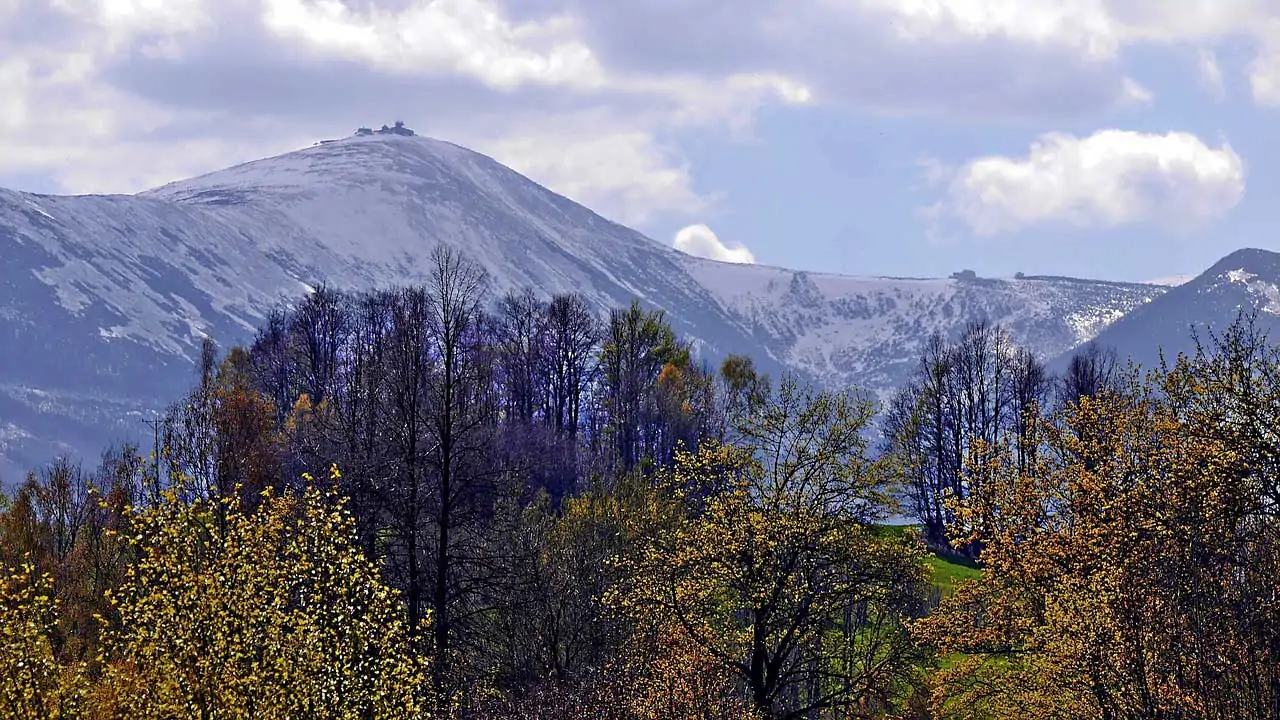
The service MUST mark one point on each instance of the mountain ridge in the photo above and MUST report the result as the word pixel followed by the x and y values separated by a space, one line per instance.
pixel 1246 280
pixel 109 296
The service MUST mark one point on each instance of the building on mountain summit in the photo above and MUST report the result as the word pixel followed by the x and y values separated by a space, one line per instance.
pixel 397 129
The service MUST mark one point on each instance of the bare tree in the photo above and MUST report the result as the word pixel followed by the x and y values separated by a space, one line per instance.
pixel 522 338
pixel 273 363
pixel 1092 369
pixel 978 392
pixel 638 344
pixel 574 335
pixel 461 424
pixel 1030 388
pixel 405 387
pixel 317 331
pixel 190 442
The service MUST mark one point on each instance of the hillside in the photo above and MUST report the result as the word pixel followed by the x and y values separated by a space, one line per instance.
pixel 1247 280
pixel 104 299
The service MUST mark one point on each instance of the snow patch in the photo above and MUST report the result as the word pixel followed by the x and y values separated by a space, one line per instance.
pixel 213 255
pixel 38 209
pixel 1239 276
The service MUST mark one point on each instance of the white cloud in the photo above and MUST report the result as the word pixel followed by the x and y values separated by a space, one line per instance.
pixel 472 37
pixel 626 174
pixel 1110 178
pixel 700 241
pixel 1132 93
pixel 120 95
pixel 582 96
pixel 1264 71
pixel 933 172
pixel 1085 25
pixel 1019 58
pixel 125 19
pixel 1211 74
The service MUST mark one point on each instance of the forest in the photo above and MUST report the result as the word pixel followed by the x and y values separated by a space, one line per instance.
pixel 435 502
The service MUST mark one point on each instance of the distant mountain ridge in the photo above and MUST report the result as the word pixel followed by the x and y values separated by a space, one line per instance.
pixel 104 299
pixel 1247 279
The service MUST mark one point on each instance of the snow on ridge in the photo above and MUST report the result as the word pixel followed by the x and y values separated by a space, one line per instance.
pixel 364 211
pixel 838 327
pixel 140 262
pixel 378 199
pixel 1267 292
pixel 140 279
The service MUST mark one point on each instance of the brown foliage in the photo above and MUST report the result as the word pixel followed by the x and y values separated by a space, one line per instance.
pixel 1130 572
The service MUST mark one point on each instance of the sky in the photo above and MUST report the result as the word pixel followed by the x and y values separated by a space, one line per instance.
pixel 1116 139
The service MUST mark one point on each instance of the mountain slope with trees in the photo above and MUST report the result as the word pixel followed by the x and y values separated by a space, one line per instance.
pixel 442 501
pixel 104 300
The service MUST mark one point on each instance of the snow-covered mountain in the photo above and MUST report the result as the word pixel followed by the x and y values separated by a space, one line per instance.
pixel 1247 280
pixel 104 299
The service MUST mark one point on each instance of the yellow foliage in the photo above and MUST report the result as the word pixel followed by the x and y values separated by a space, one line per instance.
pixel 269 613
pixel 33 686
pixel 664 675
pixel 671 377
pixel 301 416
pixel 769 570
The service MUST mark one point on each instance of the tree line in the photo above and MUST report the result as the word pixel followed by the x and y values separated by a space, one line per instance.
pixel 979 390
pixel 540 488
pixel 435 502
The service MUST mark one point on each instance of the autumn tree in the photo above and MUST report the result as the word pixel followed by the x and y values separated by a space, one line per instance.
pixel 662 673
pixel 272 613
pixel 1127 571
pixel 561 569
pixel 33 684
pixel 740 390
pixel 772 566
pixel 244 429
pixel 470 428
pixel 685 408
pixel 61 521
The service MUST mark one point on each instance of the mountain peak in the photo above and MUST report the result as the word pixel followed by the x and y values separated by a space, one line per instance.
pixel 1247 279
pixel 106 299
pixel 1255 260
pixel 379 160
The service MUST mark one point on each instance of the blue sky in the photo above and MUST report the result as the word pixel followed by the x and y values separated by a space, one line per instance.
pixel 1124 139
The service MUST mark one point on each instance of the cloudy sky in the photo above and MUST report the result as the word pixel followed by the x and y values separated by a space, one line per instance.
pixel 1126 139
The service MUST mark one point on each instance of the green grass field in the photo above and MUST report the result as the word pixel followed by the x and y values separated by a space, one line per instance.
pixel 948 570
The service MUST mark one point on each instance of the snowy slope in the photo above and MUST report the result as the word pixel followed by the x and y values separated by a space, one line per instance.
pixel 871 330
pixel 104 299
pixel 1247 280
